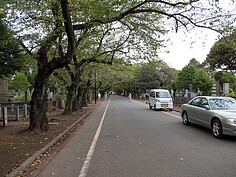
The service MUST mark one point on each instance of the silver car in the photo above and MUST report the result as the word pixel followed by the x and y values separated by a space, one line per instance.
pixel 213 112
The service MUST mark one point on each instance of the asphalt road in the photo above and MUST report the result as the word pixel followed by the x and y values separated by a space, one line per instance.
pixel 127 139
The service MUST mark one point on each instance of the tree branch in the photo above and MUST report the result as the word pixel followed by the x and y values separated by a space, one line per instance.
pixel 69 29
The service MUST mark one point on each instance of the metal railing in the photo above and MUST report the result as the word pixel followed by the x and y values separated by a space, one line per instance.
pixel 12 111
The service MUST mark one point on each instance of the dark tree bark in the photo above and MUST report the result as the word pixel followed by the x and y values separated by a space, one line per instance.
pixel 72 103
pixel 38 118
pixel 68 106
pixel 88 96
pixel 79 97
pixel 84 98
pixel 75 104
pixel 71 92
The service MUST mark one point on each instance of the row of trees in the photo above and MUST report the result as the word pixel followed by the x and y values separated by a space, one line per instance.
pixel 68 40
pixel 157 74
pixel 136 78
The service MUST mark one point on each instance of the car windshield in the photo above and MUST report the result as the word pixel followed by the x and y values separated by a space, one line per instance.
pixel 163 95
pixel 222 104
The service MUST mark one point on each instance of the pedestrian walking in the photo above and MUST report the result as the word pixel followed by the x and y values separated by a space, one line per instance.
pixel 130 97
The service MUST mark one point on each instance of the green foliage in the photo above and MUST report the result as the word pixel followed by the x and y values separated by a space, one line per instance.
pixel 199 79
pixel 10 52
pixel 194 62
pixel 203 82
pixel 154 74
pixel 226 77
pixel 19 82
pixel 185 77
pixel 121 76
pixel 21 97
pixel 30 69
pixel 223 53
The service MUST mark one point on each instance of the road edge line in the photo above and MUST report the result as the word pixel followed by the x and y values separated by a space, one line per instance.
pixel 28 161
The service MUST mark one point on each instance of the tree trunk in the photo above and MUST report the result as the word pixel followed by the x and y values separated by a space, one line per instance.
pixel 70 94
pixel 89 84
pixel 75 103
pixel 89 96
pixel 73 97
pixel 38 117
pixel 84 98
pixel 79 97
pixel 85 93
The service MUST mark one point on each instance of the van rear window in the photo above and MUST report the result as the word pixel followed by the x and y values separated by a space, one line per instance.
pixel 163 95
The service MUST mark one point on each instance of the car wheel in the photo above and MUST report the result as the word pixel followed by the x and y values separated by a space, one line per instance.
pixel 185 118
pixel 217 128
pixel 150 107
pixel 170 109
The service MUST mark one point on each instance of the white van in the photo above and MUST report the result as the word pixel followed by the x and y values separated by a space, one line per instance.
pixel 160 99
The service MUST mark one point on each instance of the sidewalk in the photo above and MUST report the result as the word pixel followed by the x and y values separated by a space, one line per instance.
pixel 19 148
pixel 68 158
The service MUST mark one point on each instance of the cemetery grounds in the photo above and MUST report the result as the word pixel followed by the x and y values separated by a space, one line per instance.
pixel 17 144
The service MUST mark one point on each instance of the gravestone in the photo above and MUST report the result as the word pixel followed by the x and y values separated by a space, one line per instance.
pixel 4 94
pixel 190 87
pixel 226 89
pixel 217 87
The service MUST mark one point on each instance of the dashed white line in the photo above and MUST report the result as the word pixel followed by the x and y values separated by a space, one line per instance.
pixel 87 161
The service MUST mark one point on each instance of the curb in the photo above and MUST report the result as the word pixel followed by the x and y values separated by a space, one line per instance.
pixel 177 110
pixel 45 148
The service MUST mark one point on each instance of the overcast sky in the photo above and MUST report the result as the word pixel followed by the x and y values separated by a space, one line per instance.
pixel 183 47
pixel 196 44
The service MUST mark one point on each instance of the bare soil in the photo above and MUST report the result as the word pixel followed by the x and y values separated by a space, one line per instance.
pixel 17 144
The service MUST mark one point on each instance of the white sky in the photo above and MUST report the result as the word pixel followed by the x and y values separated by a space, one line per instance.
pixel 184 47
pixel 195 44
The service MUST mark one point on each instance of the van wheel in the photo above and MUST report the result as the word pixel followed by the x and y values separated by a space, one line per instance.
pixel 170 109
pixel 155 108
pixel 150 107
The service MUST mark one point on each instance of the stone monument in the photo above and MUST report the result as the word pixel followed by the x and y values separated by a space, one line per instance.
pixel 213 90
pixel 4 94
pixel 226 89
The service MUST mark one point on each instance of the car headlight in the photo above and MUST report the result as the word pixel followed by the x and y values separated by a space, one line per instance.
pixel 231 121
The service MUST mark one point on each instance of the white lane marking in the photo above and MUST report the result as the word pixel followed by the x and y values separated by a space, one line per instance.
pixel 87 161
pixel 172 115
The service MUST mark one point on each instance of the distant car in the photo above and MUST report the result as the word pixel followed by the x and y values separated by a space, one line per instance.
pixel 215 113
pixel 160 99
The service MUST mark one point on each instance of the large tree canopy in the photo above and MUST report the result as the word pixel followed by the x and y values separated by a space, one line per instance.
pixel 199 79
pixel 154 74
pixel 185 77
pixel 223 53
pixel 54 30
pixel 203 82
pixel 11 58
